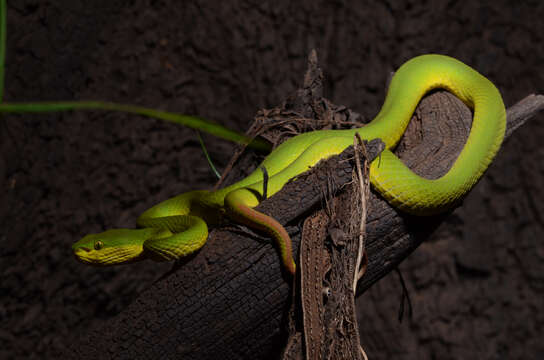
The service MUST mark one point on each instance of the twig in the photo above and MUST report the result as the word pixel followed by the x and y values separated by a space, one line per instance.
pixel 363 190
pixel 363 353
pixel 522 111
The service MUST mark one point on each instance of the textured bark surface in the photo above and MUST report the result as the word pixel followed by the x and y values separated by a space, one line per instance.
pixel 476 285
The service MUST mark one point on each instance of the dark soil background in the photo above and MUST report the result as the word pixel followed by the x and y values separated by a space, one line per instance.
pixel 477 286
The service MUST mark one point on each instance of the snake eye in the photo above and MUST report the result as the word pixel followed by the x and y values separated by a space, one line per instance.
pixel 98 245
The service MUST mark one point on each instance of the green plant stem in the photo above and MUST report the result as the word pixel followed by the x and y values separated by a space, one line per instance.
pixel 3 28
pixel 208 158
pixel 185 120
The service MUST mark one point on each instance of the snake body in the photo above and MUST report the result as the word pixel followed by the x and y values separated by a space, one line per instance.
pixel 177 227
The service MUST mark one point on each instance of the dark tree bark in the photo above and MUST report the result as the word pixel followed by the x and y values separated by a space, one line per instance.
pixel 231 300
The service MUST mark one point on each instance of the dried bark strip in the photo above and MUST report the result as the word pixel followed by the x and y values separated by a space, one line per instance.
pixel 314 264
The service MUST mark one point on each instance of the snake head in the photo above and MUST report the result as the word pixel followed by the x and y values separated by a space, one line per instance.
pixel 111 247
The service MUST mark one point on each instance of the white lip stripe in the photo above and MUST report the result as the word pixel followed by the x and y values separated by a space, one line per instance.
pixel 118 254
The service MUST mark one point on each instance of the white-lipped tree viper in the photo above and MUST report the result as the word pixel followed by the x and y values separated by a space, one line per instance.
pixel 178 226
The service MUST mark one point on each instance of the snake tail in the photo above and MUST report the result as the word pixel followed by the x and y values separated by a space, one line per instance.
pixel 235 204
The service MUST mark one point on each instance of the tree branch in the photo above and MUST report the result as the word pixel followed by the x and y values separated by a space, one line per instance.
pixel 230 300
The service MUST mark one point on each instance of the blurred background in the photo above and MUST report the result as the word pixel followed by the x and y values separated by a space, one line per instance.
pixel 477 286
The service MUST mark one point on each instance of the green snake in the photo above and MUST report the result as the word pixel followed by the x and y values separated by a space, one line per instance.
pixel 178 226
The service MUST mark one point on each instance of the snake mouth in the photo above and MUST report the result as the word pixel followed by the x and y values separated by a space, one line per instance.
pixel 83 254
